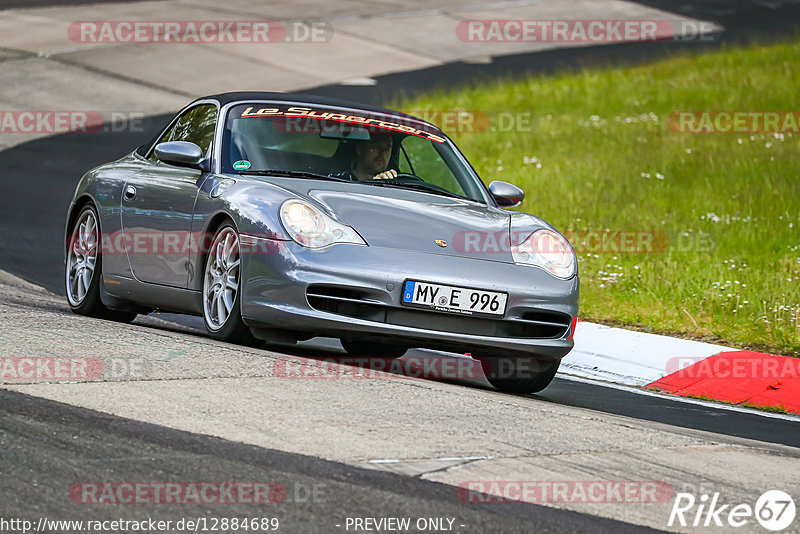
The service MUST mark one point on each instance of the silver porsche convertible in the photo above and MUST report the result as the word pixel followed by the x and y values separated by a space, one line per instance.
pixel 282 217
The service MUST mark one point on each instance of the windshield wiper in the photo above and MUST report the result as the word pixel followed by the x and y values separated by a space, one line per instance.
pixel 419 187
pixel 293 174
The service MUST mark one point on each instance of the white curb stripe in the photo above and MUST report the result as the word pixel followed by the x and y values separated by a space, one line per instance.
pixel 627 357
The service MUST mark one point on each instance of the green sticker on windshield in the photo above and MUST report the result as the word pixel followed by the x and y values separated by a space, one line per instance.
pixel 241 165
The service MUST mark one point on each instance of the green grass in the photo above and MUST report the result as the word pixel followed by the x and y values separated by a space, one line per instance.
pixel 605 159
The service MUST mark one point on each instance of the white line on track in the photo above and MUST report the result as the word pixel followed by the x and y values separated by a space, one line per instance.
pixel 451 459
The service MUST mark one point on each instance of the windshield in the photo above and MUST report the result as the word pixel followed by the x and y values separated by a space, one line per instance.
pixel 364 147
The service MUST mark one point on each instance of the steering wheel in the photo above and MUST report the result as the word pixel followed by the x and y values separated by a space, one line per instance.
pixel 408 177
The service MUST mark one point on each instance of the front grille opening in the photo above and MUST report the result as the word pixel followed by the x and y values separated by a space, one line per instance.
pixel 322 291
pixel 554 323
pixel 546 316
pixel 345 301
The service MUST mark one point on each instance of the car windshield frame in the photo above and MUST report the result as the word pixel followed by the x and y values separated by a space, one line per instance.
pixel 463 169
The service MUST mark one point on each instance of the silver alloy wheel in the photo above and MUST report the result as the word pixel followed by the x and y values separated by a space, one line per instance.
pixel 221 280
pixel 82 257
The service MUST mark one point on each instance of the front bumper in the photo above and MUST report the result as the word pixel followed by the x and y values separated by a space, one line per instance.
pixel 361 289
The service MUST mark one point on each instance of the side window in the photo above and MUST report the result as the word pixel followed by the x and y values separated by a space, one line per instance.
pixel 196 126
pixel 164 139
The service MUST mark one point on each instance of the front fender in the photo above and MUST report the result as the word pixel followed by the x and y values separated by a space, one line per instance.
pixel 252 206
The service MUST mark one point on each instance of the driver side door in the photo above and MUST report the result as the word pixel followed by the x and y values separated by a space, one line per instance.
pixel 158 204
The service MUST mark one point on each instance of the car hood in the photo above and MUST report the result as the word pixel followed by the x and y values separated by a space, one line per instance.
pixel 412 220
pixel 437 224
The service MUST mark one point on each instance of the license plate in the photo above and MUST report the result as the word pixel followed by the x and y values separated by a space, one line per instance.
pixel 454 299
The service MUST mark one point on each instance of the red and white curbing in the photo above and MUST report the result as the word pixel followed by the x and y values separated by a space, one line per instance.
pixel 684 367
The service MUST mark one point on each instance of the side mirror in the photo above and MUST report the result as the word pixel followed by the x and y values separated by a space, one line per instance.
pixel 181 153
pixel 505 194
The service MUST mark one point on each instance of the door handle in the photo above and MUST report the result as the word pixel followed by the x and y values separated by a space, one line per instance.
pixel 130 192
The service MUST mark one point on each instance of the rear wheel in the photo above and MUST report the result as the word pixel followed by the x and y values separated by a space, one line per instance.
pixel 373 349
pixel 519 375
pixel 84 269
pixel 222 311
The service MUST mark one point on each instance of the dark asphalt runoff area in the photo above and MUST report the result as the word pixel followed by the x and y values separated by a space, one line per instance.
pixel 46 447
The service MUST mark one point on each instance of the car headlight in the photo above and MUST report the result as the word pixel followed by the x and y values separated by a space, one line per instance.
pixel 311 228
pixel 547 250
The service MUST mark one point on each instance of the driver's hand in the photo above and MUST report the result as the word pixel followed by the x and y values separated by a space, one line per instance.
pixel 391 174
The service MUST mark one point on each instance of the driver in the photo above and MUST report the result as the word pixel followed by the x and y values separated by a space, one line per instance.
pixel 371 160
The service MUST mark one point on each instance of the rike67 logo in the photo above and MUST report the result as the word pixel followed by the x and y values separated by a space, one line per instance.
pixel 774 510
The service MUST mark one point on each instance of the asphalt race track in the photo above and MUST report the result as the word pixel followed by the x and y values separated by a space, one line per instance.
pixel 42 438
pixel 46 445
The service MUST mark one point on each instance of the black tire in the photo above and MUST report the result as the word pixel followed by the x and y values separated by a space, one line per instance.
pixel 519 375
pixel 83 300
pixel 372 349
pixel 232 329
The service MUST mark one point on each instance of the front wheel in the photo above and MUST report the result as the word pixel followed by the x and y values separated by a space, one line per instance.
pixel 222 311
pixel 518 375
